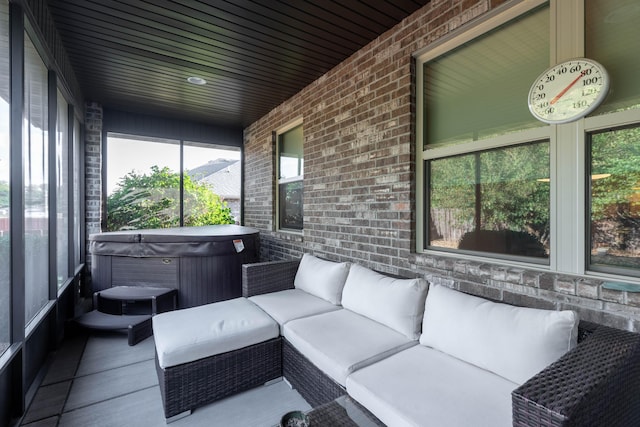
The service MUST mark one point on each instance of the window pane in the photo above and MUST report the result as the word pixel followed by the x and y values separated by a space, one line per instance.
pixel 493 201
pixel 5 178
pixel 36 181
pixel 612 34
pixel 290 169
pixel 62 190
pixel 291 205
pixel 479 89
pixel 290 147
pixel 143 183
pixel 218 170
pixel 615 201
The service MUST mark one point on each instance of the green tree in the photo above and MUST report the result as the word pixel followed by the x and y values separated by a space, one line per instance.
pixel 496 190
pixel 153 201
pixel 616 171
pixel 4 194
pixel 615 189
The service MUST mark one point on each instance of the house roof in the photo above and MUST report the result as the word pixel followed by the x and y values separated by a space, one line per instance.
pixel 226 182
pixel 209 168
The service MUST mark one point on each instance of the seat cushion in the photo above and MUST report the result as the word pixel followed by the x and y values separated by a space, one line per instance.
pixel 322 278
pixel 514 342
pixel 340 342
pixel 422 386
pixel 292 304
pixel 396 303
pixel 190 334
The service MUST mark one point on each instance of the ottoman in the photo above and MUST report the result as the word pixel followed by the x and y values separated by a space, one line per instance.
pixel 212 351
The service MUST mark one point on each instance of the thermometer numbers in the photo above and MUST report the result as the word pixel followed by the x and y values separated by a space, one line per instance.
pixel 568 91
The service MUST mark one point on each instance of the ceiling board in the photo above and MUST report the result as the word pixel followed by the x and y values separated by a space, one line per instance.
pixel 136 55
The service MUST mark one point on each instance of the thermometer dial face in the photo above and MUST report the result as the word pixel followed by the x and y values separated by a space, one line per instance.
pixel 568 91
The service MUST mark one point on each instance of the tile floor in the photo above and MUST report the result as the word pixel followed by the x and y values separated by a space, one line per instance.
pixel 98 380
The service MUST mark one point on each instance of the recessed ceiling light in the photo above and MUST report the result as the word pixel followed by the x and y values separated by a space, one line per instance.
pixel 196 80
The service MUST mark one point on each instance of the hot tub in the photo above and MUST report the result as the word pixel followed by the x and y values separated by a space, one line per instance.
pixel 203 263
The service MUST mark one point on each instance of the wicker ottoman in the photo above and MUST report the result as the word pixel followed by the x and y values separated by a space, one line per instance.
pixel 209 352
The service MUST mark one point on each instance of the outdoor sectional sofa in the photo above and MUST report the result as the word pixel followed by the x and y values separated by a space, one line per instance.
pixel 412 356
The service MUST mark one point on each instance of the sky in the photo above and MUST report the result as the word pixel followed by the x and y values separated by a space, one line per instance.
pixel 126 155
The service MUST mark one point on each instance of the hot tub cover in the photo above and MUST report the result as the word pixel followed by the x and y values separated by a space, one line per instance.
pixel 178 241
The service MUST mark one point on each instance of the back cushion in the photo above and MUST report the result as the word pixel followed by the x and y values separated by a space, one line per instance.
pixel 513 342
pixel 324 279
pixel 396 303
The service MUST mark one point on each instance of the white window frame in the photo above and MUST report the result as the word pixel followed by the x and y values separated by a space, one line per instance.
pixel 567 141
pixel 284 129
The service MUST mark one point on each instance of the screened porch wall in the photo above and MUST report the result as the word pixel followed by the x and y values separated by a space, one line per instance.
pixel 99 121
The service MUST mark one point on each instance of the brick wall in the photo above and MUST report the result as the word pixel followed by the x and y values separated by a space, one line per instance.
pixel 359 189
pixel 93 170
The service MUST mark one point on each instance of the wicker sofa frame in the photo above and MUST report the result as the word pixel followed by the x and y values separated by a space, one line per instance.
pixel 189 385
pixel 595 384
pixel 314 386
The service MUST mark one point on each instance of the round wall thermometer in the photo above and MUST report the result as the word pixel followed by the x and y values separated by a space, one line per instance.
pixel 568 91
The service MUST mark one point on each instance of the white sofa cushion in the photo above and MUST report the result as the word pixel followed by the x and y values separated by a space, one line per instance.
pixel 422 386
pixel 396 303
pixel 190 334
pixel 514 342
pixel 292 304
pixel 324 279
pixel 340 342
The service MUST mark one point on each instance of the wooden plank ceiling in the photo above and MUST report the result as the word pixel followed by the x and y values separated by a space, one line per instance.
pixel 135 55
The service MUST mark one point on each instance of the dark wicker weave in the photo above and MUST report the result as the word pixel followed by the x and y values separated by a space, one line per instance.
pixel 595 384
pixel 265 277
pixel 139 332
pixel 187 386
pixel 312 384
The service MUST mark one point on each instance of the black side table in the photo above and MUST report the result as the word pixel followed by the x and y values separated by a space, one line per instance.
pixel 130 308
pixel 135 300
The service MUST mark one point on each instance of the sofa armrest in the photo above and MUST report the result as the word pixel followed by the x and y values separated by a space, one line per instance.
pixel 595 384
pixel 265 277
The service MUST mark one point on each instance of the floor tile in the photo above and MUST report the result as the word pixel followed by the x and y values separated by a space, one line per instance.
pixel 116 385
pixel 110 350
pixel 259 407
pixel 48 401
pixel 94 388
pixel 66 359
pixel 47 422
pixel 140 409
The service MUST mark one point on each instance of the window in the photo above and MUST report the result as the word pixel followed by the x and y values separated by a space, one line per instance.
pixel 5 179
pixel 494 201
pixel 290 178
pixel 143 190
pixel 218 170
pixel 36 181
pixel 613 141
pixel 579 193
pixel 148 186
pixel 615 201
pixel 486 166
pixel 473 92
pixel 62 190
pixel 612 35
